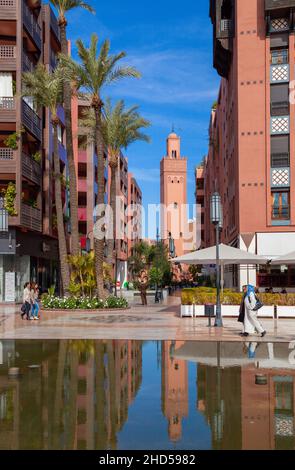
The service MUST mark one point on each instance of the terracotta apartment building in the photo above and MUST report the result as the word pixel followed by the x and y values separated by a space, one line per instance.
pixel 251 158
pixel 29 35
pixel 127 190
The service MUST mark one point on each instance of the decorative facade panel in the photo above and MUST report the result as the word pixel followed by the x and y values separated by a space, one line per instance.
pixel 280 177
pixel 279 24
pixel 279 73
pixel 280 125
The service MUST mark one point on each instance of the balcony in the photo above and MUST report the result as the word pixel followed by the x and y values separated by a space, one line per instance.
pixel 54 25
pixel 31 120
pixel 279 108
pixel 277 4
pixel 31 218
pixel 280 178
pixel 279 73
pixel 7 160
pixel 8 9
pixel 280 213
pixel 31 25
pixel 27 64
pixel 280 125
pixel 280 160
pixel 7 58
pixel 7 109
pixel 31 169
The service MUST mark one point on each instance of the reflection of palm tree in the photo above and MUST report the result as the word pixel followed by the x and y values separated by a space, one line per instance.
pixel 101 436
pixel 58 404
pixel 84 347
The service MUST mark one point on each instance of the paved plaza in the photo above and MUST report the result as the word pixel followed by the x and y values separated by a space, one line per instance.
pixel 154 322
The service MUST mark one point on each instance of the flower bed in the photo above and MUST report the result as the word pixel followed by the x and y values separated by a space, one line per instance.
pixel 82 303
pixel 203 296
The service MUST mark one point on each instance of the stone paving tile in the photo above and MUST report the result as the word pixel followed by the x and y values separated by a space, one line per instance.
pixel 155 322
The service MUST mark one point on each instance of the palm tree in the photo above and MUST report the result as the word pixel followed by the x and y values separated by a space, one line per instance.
pixel 97 70
pixel 63 7
pixel 46 91
pixel 120 128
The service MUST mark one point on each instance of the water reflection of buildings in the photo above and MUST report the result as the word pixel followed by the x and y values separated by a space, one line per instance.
pixel 174 389
pixel 77 398
pixel 243 414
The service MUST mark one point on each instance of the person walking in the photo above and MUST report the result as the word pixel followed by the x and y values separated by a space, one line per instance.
pixel 27 301
pixel 143 286
pixel 34 301
pixel 248 316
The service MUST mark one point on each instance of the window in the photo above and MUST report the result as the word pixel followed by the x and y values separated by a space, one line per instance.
pixel 280 205
pixel 280 57
pixel 279 98
pixel 174 154
pixel 59 133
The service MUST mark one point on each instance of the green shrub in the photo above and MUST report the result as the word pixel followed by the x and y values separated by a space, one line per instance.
pixel 202 296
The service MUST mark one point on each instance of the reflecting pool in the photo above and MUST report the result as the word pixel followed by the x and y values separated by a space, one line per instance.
pixel 92 394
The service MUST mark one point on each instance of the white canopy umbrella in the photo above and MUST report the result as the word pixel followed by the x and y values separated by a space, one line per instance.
pixel 227 255
pixel 268 355
pixel 286 259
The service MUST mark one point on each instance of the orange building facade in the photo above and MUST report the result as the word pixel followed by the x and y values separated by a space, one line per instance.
pixel 251 158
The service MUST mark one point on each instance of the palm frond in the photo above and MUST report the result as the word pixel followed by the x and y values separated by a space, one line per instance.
pixel 63 6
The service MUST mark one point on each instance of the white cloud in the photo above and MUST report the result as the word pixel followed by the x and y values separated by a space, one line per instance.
pixel 146 175
pixel 176 77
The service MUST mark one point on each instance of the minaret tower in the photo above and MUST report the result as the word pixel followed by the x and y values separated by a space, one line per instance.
pixel 173 193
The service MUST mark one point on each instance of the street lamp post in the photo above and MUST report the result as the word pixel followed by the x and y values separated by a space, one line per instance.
pixel 216 219
pixel 3 216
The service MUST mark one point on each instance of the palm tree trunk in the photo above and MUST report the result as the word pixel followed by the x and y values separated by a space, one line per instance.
pixel 99 242
pixel 62 244
pixel 113 246
pixel 75 239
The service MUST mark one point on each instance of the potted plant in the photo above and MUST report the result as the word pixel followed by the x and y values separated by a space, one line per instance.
pixel 12 140
pixel 187 304
pixel 37 157
pixel 9 195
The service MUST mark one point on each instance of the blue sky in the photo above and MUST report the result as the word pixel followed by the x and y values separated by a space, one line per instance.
pixel 170 42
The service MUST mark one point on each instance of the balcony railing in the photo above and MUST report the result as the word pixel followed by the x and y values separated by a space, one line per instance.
pixel 7 102
pixel 31 25
pixel 31 217
pixel 279 73
pixel 6 154
pixel 31 120
pixel 7 9
pixel 31 169
pixel 7 52
pixel 28 65
pixel 280 212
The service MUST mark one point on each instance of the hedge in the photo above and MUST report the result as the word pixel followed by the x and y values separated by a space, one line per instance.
pixel 83 303
pixel 202 296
